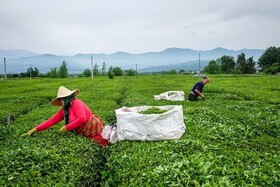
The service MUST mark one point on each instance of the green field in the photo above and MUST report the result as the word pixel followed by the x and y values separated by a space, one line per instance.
pixel 232 138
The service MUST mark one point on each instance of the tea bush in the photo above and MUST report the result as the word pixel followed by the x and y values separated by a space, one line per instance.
pixel 232 138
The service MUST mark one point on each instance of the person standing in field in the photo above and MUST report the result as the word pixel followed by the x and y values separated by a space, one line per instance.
pixel 198 89
pixel 77 115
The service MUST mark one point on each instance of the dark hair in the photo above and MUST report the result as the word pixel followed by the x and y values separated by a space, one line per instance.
pixel 67 104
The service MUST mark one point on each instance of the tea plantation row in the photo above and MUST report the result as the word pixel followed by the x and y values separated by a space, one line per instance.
pixel 232 138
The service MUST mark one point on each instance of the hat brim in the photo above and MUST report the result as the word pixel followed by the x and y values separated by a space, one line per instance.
pixel 56 101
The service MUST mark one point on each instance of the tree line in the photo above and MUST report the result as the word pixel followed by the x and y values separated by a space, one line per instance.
pixel 113 71
pixel 269 62
pixel 62 72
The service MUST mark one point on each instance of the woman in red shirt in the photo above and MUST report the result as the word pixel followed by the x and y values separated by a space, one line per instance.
pixel 78 117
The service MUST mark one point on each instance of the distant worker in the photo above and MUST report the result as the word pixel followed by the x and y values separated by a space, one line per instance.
pixel 78 117
pixel 198 89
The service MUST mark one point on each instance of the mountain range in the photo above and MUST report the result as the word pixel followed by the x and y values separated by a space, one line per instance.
pixel 169 59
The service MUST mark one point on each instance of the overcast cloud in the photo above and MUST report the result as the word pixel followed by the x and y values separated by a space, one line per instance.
pixel 68 27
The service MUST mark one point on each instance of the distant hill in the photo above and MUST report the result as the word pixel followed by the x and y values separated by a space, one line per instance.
pixel 187 66
pixel 16 53
pixel 168 59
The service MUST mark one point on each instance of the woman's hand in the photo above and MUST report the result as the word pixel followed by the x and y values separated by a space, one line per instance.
pixel 29 133
pixel 63 129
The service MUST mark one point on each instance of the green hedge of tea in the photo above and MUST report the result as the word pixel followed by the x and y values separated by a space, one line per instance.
pixel 232 138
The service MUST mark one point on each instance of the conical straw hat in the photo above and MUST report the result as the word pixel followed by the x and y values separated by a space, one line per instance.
pixel 63 92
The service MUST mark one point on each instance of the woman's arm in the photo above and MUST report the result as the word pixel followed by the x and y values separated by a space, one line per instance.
pixel 59 116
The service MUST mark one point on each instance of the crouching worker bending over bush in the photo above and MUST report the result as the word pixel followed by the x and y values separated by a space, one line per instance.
pixel 78 117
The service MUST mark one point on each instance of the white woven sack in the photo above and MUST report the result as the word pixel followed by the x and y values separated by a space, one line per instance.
pixel 109 133
pixel 106 132
pixel 132 125
pixel 113 135
pixel 171 96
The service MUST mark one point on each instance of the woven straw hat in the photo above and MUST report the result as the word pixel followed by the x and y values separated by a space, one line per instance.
pixel 63 92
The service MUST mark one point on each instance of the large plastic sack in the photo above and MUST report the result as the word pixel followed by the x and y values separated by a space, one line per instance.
pixel 171 95
pixel 132 125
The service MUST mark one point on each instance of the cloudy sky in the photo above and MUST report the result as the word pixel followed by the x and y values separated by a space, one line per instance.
pixel 68 27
